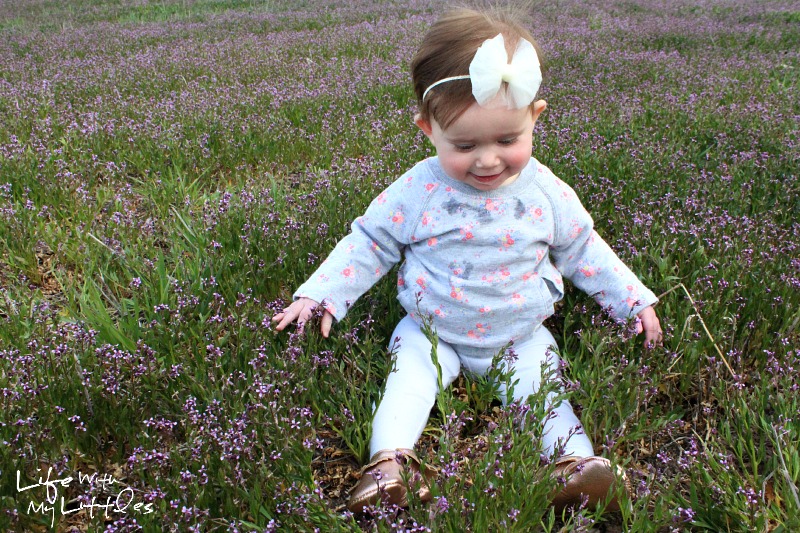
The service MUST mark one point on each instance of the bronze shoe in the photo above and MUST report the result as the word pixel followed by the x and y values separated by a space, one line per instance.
pixel 386 479
pixel 590 479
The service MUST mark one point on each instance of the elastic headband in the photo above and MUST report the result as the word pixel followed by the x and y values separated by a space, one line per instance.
pixel 490 68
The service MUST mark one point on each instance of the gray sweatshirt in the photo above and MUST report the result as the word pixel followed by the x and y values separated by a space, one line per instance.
pixel 487 266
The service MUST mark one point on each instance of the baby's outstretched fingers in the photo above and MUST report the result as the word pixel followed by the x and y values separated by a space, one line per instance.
pixel 326 323
pixel 301 310
pixel 653 335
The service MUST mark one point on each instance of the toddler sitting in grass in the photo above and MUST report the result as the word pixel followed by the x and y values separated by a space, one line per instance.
pixel 486 234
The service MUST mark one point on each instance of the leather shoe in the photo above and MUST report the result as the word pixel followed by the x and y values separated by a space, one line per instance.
pixel 385 479
pixel 590 479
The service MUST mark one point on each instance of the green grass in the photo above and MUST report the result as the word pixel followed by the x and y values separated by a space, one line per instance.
pixel 170 171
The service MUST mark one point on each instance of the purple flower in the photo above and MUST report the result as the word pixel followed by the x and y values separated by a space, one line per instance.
pixel 684 515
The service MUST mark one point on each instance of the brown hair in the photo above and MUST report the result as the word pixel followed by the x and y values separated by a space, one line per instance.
pixel 447 50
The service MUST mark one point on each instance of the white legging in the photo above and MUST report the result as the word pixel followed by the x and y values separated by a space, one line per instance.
pixel 412 387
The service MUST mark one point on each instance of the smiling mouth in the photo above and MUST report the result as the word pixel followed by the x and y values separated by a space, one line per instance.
pixel 486 179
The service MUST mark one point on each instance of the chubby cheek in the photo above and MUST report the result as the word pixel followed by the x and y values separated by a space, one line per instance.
pixel 519 157
pixel 456 165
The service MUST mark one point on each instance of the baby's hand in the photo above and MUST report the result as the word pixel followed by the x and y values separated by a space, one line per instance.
pixel 302 310
pixel 651 326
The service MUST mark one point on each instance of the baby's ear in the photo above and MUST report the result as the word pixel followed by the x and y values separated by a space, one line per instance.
pixel 423 124
pixel 537 108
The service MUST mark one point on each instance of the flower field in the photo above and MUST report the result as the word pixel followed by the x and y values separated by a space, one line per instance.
pixel 170 170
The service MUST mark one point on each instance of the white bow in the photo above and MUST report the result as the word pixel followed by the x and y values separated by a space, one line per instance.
pixel 490 68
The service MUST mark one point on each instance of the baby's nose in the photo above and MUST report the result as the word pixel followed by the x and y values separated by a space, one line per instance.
pixel 486 158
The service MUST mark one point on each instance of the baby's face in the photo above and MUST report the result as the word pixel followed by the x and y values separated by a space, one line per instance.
pixel 486 147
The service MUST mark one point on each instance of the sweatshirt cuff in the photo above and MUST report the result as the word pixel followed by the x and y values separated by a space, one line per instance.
pixel 632 309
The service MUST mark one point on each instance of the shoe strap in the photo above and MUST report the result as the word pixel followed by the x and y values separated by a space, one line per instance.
pixel 566 460
pixel 382 456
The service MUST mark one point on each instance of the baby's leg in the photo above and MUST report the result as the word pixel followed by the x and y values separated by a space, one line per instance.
pixel 562 422
pixel 410 389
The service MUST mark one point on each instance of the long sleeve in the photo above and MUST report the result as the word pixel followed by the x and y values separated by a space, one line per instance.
pixel 358 261
pixel 582 256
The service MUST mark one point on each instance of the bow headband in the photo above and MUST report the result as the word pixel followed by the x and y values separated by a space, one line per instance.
pixel 490 68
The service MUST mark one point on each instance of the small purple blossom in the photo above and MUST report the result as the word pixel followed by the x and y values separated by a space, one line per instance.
pixel 685 515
